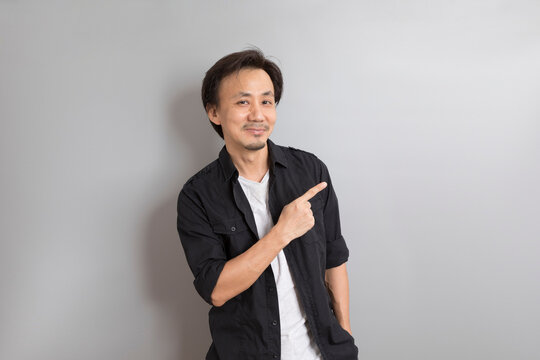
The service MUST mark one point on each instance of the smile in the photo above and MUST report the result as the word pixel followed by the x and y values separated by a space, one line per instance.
pixel 256 131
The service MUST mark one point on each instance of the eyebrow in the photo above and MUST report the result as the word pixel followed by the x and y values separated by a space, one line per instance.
pixel 243 93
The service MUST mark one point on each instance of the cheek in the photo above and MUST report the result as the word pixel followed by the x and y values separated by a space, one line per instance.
pixel 234 117
pixel 271 116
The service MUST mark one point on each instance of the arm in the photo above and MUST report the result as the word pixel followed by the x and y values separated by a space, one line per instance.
pixel 337 254
pixel 241 272
pixel 337 283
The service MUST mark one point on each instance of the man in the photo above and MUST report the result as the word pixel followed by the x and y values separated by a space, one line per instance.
pixel 260 229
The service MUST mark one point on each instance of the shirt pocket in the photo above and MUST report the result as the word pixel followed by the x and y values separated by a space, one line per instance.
pixel 316 203
pixel 235 235
pixel 317 232
pixel 339 335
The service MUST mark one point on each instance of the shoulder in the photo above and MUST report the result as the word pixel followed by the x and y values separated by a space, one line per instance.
pixel 306 162
pixel 302 163
pixel 208 174
pixel 298 152
pixel 302 157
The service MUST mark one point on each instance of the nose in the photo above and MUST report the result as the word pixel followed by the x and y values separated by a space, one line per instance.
pixel 255 113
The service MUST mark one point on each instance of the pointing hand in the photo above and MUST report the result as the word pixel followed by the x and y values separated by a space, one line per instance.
pixel 296 218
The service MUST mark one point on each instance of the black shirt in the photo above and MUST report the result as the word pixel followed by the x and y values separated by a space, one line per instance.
pixel 215 224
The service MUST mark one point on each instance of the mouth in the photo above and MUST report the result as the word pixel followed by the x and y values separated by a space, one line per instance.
pixel 256 131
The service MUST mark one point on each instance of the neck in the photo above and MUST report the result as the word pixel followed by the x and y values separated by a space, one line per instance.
pixel 251 164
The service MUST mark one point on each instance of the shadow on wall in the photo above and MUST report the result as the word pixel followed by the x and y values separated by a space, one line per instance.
pixel 184 313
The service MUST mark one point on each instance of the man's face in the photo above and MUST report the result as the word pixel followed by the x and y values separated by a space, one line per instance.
pixel 246 111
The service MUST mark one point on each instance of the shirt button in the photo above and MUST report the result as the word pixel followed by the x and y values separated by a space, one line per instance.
pixel 233 228
pixel 270 289
pixel 274 322
pixel 275 356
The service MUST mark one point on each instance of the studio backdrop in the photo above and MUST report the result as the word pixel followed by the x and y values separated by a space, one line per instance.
pixel 426 113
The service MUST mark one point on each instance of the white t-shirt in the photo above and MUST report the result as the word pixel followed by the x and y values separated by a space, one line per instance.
pixel 296 340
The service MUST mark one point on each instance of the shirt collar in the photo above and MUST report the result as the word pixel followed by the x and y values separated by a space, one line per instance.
pixel 276 156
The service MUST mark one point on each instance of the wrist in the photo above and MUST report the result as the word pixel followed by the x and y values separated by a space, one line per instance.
pixel 277 236
pixel 345 324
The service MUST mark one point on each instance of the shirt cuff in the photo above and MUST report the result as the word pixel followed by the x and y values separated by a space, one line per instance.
pixel 206 280
pixel 337 252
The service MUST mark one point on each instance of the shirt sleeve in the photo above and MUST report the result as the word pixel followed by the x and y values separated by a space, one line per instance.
pixel 337 252
pixel 204 251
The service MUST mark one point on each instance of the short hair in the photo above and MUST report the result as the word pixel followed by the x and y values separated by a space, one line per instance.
pixel 252 58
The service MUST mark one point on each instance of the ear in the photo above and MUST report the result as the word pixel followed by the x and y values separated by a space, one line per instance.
pixel 211 111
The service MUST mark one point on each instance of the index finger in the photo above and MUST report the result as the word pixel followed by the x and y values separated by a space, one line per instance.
pixel 312 192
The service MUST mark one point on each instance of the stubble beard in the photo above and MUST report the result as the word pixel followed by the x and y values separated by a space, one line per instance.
pixel 255 146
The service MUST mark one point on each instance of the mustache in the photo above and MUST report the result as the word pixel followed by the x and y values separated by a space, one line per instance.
pixel 259 127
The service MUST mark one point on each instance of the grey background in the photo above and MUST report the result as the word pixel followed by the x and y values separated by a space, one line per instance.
pixel 426 113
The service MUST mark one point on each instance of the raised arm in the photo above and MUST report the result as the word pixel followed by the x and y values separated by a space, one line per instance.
pixel 241 272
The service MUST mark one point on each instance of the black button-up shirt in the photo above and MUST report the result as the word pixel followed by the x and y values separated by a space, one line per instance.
pixel 215 224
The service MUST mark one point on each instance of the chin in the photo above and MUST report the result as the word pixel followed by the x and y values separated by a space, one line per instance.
pixel 254 146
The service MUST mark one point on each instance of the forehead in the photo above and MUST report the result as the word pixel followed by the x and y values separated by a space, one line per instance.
pixel 248 80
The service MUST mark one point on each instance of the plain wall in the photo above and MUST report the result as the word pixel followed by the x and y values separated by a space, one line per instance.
pixel 426 113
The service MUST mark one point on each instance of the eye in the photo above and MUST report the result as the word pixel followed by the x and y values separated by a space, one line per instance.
pixel 267 102
pixel 242 102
